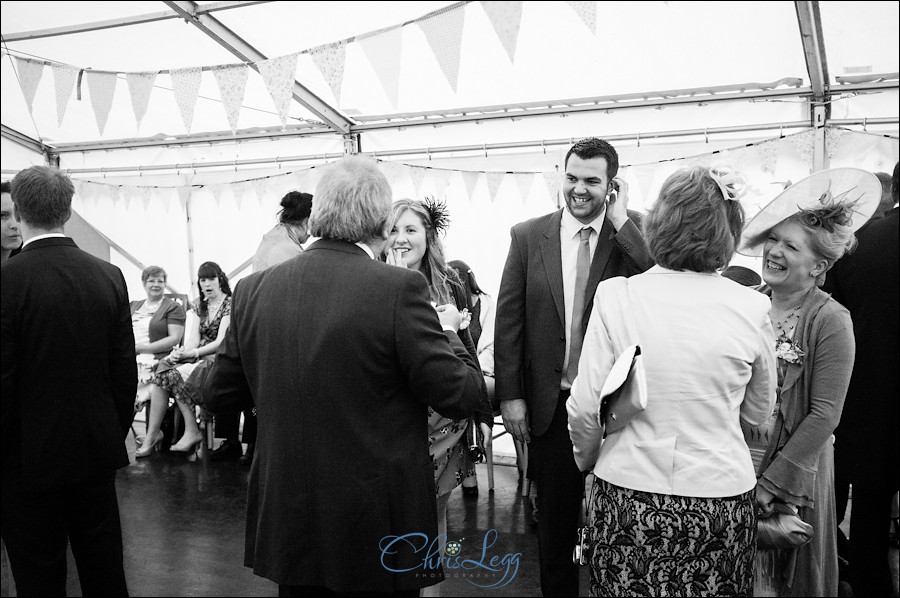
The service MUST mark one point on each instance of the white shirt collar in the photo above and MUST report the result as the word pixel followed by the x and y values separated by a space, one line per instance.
pixel 367 249
pixel 571 225
pixel 46 236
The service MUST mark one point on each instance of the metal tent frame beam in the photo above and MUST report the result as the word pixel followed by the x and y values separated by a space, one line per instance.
pixel 24 140
pixel 810 21
pixel 235 44
pixel 124 21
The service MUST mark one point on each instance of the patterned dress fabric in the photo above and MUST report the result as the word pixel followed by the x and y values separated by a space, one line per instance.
pixel 649 544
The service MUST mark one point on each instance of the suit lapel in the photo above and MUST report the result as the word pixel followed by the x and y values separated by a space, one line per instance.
pixel 551 254
pixel 602 252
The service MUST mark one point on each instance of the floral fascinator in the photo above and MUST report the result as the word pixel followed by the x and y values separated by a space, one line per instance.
pixel 844 196
pixel 439 214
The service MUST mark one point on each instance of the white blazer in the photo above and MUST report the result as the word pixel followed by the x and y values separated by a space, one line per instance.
pixel 709 355
pixel 485 347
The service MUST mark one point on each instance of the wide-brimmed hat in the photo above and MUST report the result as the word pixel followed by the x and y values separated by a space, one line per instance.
pixel 742 275
pixel 853 187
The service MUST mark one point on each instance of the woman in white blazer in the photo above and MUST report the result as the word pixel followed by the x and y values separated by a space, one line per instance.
pixel 673 506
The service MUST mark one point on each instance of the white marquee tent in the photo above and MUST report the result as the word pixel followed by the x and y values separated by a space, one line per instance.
pixel 183 123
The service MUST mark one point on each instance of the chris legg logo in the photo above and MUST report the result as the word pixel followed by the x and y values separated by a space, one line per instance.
pixel 426 556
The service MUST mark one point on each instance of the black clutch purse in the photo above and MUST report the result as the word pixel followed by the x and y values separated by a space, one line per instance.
pixel 476 448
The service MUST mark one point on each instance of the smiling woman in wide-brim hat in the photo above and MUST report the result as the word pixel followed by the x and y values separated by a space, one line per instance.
pixel 801 234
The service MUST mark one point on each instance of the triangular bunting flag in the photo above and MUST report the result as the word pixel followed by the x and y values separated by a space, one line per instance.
pixel 390 170
pixel 440 179
pixel 832 140
pixel 140 85
pixel 260 186
pixel 145 193
pixel 184 195
pixel 123 195
pixel 30 73
pixel 553 183
pixel 444 34
pixel 238 191
pixel 383 52
pixel 278 75
pixel 470 178
pixel 506 17
pixel 525 181
pixel 587 11
pixel 64 77
pixel 644 174
pixel 330 62
pixel 302 178
pixel 417 175
pixel 102 87
pixel 804 143
pixel 165 197
pixel 186 85
pixel 768 154
pixel 494 179
pixel 232 81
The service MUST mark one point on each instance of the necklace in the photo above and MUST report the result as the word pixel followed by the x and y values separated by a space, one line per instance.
pixel 785 330
pixel 152 307
pixel 214 307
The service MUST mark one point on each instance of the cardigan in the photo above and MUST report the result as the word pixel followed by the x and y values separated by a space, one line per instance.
pixel 812 397
pixel 169 312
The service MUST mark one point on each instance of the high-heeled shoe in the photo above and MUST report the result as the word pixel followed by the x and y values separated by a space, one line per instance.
pixel 148 446
pixel 189 448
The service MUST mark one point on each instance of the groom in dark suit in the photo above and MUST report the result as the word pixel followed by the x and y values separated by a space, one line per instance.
pixel 69 378
pixel 546 293
pixel 343 354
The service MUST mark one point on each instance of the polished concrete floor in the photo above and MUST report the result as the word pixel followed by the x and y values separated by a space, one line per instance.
pixel 183 530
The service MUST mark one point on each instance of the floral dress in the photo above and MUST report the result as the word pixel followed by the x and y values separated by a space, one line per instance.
pixel 173 380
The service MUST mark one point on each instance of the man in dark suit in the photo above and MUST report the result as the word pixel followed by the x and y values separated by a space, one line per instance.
pixel 69 379
pixel 546 293
pixel 342 355
pixel 867 443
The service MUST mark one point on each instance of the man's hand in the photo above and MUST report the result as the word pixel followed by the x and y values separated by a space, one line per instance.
pixel 515 419
pixel 617 203
pixel 449 316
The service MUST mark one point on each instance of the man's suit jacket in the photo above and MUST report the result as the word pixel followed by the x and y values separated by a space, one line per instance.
pixel 530 334
pixel 342 355
pixel 68 365
pixel 866 283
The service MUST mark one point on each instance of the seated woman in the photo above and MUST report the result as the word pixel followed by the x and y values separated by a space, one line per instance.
pixel 158 324
pixel 207 331
pixel 414 243
pixel 672 502
pixel 481 329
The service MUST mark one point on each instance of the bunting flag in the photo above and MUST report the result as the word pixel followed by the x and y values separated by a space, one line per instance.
pixel 524 180
pixel 216 192
pixel 186 85
pixel 506 17
pixel 383 51
pixel 643 175
pixel 302 178
pixel 278 75
pixel 165 197
pixel 64 77
pixel 587 11
pixel 444 34
pixel 494 180
pixel 417 175
pixel 390 170
pixel 140 85
pixel 232 81
pixel 260 187
pixel 30 73
pixel 329 60
pixel 832 140
pixel 804 143
pixel 102 87
pixel 145 193
pixel 470 178
pixel 553 183
pixel 768 154
pixel 440 179
pixel 117 196
pixel 184 195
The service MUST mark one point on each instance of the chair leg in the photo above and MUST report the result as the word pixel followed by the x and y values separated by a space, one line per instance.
pixel 489 453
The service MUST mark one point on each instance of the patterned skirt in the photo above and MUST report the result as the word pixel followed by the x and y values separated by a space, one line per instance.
pixel 647 544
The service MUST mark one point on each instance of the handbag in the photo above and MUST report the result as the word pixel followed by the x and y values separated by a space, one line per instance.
pixel 624 393
pixel 783 528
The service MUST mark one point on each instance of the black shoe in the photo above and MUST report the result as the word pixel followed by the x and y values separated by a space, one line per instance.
pixel 470 491
pixel 229 449
pixel 247 458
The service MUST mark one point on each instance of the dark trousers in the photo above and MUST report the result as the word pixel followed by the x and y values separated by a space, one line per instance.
pixel 870 516
pixel 559 498
pixel 37 526
pixel 314 591
pixel 228 422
